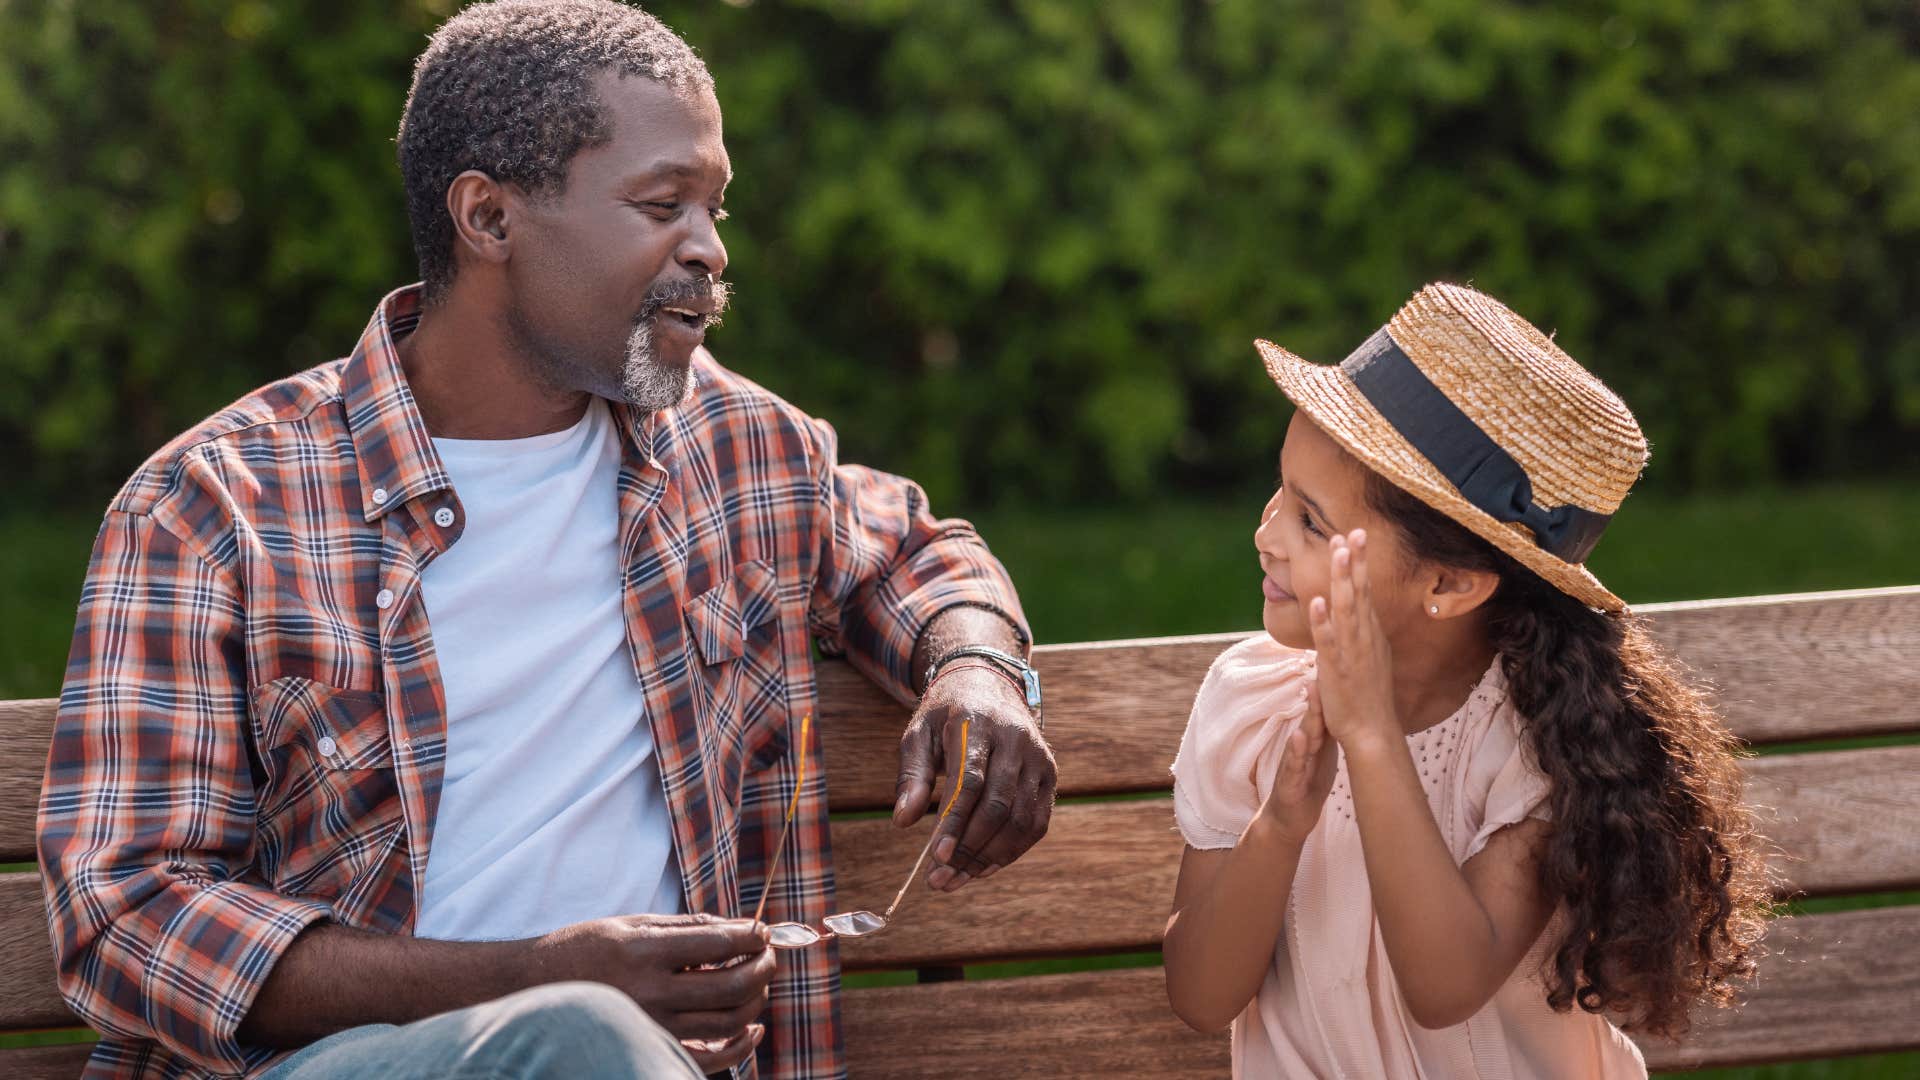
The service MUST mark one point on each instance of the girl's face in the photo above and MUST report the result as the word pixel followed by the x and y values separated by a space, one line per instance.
pixel 1323 494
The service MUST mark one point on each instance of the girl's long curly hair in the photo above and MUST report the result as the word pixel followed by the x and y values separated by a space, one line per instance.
pixel 1653 854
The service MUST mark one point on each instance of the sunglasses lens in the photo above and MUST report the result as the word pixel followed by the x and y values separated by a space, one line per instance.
pixel 854 923
pixel 792 935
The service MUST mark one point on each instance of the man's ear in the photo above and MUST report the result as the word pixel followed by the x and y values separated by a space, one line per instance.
pixel 1453 592
pixel 482 225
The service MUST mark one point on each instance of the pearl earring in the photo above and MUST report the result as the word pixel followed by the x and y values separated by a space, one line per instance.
pixel 1433 609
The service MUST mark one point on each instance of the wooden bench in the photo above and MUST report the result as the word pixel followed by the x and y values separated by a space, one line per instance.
pixel 1791 669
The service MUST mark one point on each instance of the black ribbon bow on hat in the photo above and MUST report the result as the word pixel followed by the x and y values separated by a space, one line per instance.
pixel 1472 462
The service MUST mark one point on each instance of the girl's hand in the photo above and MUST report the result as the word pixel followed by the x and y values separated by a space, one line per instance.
pixel 1354 660
pixel 1306 775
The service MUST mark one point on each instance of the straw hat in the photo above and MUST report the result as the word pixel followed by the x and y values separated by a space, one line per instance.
pixel 1468 407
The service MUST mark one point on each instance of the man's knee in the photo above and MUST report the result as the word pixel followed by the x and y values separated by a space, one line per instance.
pixel 576 1029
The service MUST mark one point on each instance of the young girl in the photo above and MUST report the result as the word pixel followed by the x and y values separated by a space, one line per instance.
pixel 1454 814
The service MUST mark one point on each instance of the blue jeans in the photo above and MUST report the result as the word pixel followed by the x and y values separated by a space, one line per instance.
pixel 570 1029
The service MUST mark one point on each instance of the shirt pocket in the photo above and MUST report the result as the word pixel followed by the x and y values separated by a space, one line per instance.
pixel 741 679
pixel 331 803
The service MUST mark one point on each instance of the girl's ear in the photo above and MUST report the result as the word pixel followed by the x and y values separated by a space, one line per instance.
pixel 1453 592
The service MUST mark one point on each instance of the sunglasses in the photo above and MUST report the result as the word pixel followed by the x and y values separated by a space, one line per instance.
pixel 797 935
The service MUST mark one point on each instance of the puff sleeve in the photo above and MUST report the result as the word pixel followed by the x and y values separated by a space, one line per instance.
pixel 1251 700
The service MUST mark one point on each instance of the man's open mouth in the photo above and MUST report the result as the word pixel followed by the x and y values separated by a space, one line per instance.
pixel 690 318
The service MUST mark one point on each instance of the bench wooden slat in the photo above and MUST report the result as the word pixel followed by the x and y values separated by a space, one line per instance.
pixel 29 997
pixel 1835 984
pixel 26 727
pixel 1109 1023
pixel 1832 984
pixel 1099 882
pixel 1842 821
pixel 45 1062
pixel 1102 878
pixel 1820 665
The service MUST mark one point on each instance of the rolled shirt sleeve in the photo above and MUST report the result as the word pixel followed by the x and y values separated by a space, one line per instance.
pixel 147 814
pixel 887 567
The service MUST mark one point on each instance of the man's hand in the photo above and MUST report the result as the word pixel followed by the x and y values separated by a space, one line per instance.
pixel 704 979
pixel 1006 800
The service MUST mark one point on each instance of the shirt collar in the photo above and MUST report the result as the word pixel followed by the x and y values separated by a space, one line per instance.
pixel 390 440
pixel 395 454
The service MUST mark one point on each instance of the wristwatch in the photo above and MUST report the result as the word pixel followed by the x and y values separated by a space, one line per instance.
pixel 1014 666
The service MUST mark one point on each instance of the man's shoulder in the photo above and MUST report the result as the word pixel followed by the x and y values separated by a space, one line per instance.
pixel 276 413
pixel 724 397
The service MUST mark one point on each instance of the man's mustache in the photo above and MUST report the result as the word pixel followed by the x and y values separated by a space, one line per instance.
pixel 706 295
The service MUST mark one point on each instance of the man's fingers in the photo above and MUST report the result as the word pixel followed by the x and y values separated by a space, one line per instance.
pixel 701 940
pixel 711 1056
pixel 918 765
pixel 984 837
pixel 970 778
pixel 1021 828
pixel 714 1024
pixel 723 989
pixel 1042 811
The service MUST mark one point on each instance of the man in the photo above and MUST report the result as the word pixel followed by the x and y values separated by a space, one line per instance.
pixel 435 710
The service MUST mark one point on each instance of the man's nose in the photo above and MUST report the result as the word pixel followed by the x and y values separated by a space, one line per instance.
pixel 701 252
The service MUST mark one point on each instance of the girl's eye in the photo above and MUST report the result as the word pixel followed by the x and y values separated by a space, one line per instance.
pixel 1306 522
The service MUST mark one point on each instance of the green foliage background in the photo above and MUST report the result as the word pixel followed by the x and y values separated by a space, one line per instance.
pixel 1024 245
pixel 1019 248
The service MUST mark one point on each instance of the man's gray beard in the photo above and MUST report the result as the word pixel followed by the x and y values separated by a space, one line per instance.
pixel 648 384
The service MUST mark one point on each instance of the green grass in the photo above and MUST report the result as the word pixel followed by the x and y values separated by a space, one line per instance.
pixel 42 561
pixel 1187 567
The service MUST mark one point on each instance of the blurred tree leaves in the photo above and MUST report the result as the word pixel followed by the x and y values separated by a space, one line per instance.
pixel 1019 248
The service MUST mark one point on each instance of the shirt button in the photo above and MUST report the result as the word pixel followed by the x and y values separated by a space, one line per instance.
pixel 443 517
pixel 328 746
pixel 383 599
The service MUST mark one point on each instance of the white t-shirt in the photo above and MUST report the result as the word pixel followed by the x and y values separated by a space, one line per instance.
pixel 551 810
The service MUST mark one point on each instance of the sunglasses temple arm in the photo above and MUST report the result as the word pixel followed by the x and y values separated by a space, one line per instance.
pixel 958 782
pixel 914 873
pixel 774 871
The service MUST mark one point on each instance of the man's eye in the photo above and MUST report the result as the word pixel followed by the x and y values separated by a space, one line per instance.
pixel 717 214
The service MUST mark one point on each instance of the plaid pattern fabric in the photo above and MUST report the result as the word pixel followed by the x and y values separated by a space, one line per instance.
pixel 252 731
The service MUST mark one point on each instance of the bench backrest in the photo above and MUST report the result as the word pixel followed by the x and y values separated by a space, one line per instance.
pixel 1791 669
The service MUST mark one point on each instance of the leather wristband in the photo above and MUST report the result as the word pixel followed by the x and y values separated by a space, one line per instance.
pixel 1026 679
pixel 976 665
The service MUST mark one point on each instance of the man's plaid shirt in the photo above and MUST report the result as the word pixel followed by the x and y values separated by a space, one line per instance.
pixel 255 591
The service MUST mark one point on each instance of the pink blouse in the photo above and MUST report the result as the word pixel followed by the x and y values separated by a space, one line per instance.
pixel 1329 1006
